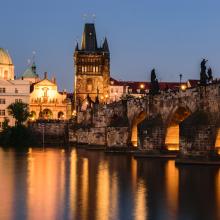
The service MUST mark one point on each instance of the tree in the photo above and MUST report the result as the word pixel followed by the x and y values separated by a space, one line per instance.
pixel 19 111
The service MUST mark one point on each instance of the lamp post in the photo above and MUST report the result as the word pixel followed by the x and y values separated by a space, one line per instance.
pixel 180 79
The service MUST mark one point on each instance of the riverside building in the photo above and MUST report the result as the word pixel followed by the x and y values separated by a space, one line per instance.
pixel 11 90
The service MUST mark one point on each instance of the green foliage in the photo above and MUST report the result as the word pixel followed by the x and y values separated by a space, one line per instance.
pixel 18 136
pixel 19 111
pixel 5 124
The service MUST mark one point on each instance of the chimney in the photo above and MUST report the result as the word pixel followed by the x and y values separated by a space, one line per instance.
pixel 45 75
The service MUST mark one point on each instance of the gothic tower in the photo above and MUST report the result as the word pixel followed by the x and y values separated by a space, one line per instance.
pixel 92 68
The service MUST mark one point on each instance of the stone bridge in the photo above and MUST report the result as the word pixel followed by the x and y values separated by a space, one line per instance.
pixel 184 120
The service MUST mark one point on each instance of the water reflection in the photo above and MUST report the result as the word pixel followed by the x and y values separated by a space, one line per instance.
pixel 172 187
pixel 7 184
pixel 78 184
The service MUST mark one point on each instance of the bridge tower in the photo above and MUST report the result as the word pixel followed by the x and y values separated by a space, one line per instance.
pixel 92 68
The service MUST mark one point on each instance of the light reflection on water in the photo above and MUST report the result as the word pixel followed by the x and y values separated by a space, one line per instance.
pixel 79 184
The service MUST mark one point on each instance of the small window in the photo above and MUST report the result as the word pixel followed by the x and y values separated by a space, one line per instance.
pixel 18 100
pixel 2 90
pixel 2 112
pixel 2 101
pixel 16 90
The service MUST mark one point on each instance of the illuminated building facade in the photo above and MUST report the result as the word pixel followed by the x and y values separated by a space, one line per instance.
pixel 6 65
pixel 11 90
pixel 47 103
pixel 92 68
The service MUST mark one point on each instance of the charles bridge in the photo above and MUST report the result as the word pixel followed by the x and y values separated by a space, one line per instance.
pixel 183 121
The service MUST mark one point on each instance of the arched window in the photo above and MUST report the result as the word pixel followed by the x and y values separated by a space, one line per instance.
pixel 5 74
pixel 60 115
pixel 89 85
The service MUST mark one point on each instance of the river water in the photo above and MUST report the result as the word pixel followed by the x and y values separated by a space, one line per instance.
pixel 89 185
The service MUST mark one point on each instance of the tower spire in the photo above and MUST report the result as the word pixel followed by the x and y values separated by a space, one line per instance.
pixel 105 45
pixel 89 41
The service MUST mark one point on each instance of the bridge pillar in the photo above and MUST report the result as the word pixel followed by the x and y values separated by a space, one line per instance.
pixel 197 137
pixel 151 134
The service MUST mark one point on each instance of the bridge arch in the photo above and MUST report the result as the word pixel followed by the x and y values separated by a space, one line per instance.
pixel 134 127
pixel 172 133
pixel 217 140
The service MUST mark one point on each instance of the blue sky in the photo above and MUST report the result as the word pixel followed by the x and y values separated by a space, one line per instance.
pixel 170 35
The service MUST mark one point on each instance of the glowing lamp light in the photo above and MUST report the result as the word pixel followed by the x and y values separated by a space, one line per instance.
pixel 142 86
pixel 74 113
pixel 106 96
pixel 183 87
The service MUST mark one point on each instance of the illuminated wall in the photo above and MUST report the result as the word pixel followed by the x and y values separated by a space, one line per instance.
pixel 47 102
pixel 134 130
pixel 172 133
pixel 172 138
pixel 217 142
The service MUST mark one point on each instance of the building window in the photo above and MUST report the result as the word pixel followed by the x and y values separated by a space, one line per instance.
pixel 16 90
pixel 2 90
pixel 6 74
pixel 18 100
pixel 89 85
pixel 2 112
pixel 2 101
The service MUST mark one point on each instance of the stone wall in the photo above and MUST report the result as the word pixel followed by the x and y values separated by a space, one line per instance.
pixel 117 136
pixel 52 132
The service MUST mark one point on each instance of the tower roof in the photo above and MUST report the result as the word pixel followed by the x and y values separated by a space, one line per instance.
pixel 89 41
pixel 5 57
pixel 30 72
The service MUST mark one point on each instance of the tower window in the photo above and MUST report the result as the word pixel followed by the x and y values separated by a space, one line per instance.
pixel 89 85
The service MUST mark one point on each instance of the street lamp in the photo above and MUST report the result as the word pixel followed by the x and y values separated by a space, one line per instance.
pixel 180 78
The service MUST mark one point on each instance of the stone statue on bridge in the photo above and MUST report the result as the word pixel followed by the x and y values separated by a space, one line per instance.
pixel 203 75
pixel 154 85
pixel 210 76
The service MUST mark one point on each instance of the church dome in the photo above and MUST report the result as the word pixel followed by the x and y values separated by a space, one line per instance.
pixel 5 58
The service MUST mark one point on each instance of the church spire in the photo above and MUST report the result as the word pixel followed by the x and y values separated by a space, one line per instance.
pixel 77 47
pixel 105 45
pixel 89 41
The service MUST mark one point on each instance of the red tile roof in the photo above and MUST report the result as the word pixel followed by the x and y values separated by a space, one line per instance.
pixel 134 85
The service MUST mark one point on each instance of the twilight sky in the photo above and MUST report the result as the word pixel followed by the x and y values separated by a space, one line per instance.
pixel 170 35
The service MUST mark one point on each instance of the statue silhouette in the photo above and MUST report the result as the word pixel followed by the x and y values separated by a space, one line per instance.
pixel 203 76
pixel 154 86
